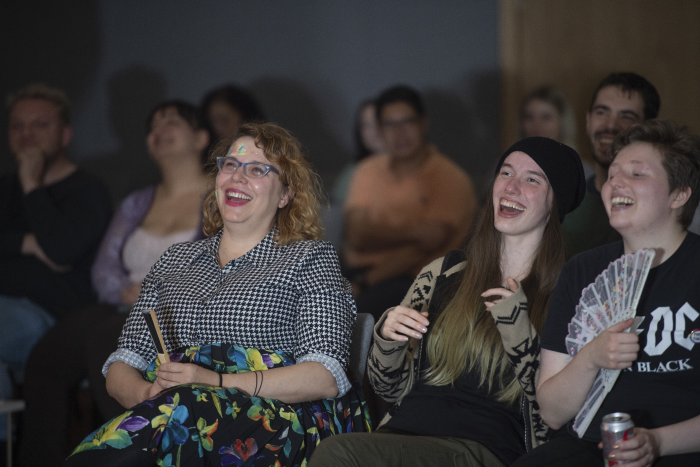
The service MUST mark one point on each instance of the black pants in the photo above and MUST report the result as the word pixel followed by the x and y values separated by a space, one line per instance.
pixel 386 449
pixel 74 349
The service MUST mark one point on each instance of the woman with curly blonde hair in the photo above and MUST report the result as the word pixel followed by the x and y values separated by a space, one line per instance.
pixel 257 321
pixel 300 219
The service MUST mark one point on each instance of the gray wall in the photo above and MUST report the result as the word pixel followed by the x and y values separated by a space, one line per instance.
pixel 309 63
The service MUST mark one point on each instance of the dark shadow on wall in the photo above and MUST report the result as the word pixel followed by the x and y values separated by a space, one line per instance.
pixel 450 128
pixel 292 106
pixel 46 41
pixel 465 127
pixel 133 92
pixel 486 122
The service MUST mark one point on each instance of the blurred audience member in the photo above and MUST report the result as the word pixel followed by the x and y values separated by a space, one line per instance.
pixel 224 109
pixel 52 217
pixel 545 112
pixel 619 101
pixel 405 207
pixel 263 281
pixel 368 141
pixel 147 223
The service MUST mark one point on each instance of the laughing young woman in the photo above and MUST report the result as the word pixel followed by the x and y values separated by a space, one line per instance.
pixel 461 355
pixel 652 191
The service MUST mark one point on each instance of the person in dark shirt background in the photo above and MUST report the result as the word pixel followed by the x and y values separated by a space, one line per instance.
pixel 619 101
pixel 52 218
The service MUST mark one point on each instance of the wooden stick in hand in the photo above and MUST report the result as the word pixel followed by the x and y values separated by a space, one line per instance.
pixel 156 336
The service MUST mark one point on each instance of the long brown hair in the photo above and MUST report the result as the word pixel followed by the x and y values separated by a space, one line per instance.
pixel 465 337
pixel 300 219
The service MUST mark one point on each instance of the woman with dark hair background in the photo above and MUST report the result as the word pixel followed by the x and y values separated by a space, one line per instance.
pixel 146 224
pixel 226 108
pixel 368 141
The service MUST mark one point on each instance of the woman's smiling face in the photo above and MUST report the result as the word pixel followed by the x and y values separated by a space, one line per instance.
pixel 637 195
pixel 249 202
pixel 522 197
pixel 171 136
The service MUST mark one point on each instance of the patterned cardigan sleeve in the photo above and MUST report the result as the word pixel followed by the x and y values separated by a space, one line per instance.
pixel 391 364
pixel 522 345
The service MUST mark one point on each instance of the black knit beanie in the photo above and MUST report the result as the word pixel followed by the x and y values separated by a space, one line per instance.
pixel 561 165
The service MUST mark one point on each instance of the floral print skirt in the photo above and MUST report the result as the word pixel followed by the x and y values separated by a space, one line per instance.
pixel 191 425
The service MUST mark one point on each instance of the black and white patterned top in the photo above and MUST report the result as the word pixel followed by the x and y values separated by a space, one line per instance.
pixel 291 298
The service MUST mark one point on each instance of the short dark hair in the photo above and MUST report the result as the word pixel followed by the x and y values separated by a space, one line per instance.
pixel 632 82
pixel 44 92
pixel 400 93
pixel 680 150
pixel 184 109
pixel 235 97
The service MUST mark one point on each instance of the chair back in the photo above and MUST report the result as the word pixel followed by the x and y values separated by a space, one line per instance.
pixel 359 348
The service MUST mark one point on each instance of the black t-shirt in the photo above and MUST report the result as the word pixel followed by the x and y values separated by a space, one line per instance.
pixel 467 410
pixel 663 385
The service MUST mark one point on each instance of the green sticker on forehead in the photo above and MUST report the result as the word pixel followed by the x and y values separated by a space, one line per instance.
pixel 241 148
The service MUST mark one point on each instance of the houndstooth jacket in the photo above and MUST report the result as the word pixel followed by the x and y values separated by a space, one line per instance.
pixel 288 298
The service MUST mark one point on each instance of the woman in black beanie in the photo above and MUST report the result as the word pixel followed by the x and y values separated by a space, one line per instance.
pixel 460 357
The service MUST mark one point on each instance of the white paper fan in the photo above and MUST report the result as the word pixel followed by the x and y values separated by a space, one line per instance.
pixel 611 298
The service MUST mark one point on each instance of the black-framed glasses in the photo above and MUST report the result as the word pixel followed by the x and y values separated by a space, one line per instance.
pixel 229 165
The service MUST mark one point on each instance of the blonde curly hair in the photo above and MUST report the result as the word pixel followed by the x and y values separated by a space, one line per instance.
pixel 300 219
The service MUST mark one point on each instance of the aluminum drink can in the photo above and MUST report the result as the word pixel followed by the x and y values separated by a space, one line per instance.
pixel 615 427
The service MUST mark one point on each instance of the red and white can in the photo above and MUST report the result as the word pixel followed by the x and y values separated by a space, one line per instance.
pixel 615 427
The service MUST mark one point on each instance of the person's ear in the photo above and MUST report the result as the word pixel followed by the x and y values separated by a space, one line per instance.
pixel 680 196
pixel 66 136
pixel 202 139
pixel 588 122
pixel 286 197
pixel 424 125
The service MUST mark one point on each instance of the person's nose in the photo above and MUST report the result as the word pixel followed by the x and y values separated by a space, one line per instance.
pixel 513 187
pixel 616 180
pixel 613 124
pixel 26 131
pixel 239 176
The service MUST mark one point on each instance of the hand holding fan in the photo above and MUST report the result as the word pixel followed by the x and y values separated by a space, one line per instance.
pixel 610 299
pixel 156 336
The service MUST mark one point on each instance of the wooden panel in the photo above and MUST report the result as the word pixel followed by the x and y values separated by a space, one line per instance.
pixel 575 43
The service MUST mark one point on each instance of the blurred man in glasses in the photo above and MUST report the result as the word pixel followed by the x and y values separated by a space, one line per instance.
pixel 404 208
